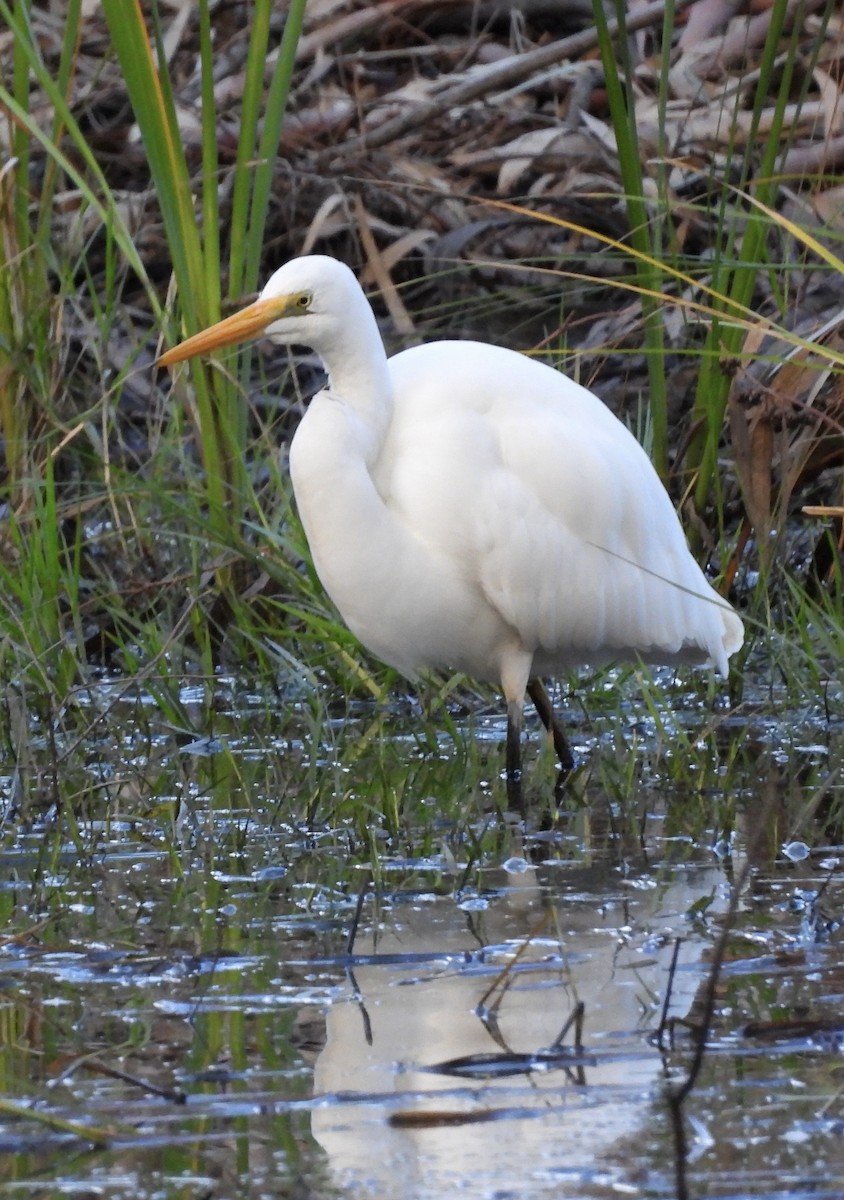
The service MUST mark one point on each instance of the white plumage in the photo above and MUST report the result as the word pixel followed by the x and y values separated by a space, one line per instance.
pixel 471 508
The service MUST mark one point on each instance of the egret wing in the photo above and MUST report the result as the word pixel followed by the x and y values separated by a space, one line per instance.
pixel 540 498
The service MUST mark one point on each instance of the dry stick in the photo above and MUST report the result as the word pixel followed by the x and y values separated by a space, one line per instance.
pixel 174 1095
pixel 574 1018
pixel 503 74
pixel 672 971
pixel 500 980
pixel 354 25
pixel 677 1096
pixel 350 947
pixel 362 894
pixel 401 318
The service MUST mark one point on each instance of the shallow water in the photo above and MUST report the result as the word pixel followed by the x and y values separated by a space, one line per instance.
pixel 179 983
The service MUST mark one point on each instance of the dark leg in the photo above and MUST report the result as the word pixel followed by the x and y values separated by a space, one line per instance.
pixel 514 740
pixel 542 704
pixel 514 753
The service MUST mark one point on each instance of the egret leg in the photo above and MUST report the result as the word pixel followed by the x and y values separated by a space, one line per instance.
pixel 514 740
pixel 514 753
pixel 542 704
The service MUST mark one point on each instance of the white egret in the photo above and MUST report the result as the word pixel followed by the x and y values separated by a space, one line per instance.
pixel 471 508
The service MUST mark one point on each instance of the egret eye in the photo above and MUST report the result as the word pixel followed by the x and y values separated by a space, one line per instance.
pixel 303 301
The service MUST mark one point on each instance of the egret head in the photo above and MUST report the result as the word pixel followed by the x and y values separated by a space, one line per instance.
pixel 305 301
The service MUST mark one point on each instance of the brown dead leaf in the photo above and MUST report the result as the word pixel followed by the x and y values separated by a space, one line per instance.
pixel 786 427
pixel 832 102
pixel 751 431
pixel 829 204
pixel 380 273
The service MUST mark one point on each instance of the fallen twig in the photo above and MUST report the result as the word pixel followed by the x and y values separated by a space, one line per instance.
pixel 495 75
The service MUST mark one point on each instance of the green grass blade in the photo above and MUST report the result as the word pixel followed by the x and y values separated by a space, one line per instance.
pixel 247 145
pixel 276 107
pixel 644 235
pixel 210 162
pixel 152 104
pixel 257 149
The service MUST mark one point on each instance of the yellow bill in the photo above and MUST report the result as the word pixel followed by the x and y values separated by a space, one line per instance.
pixel 239 327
